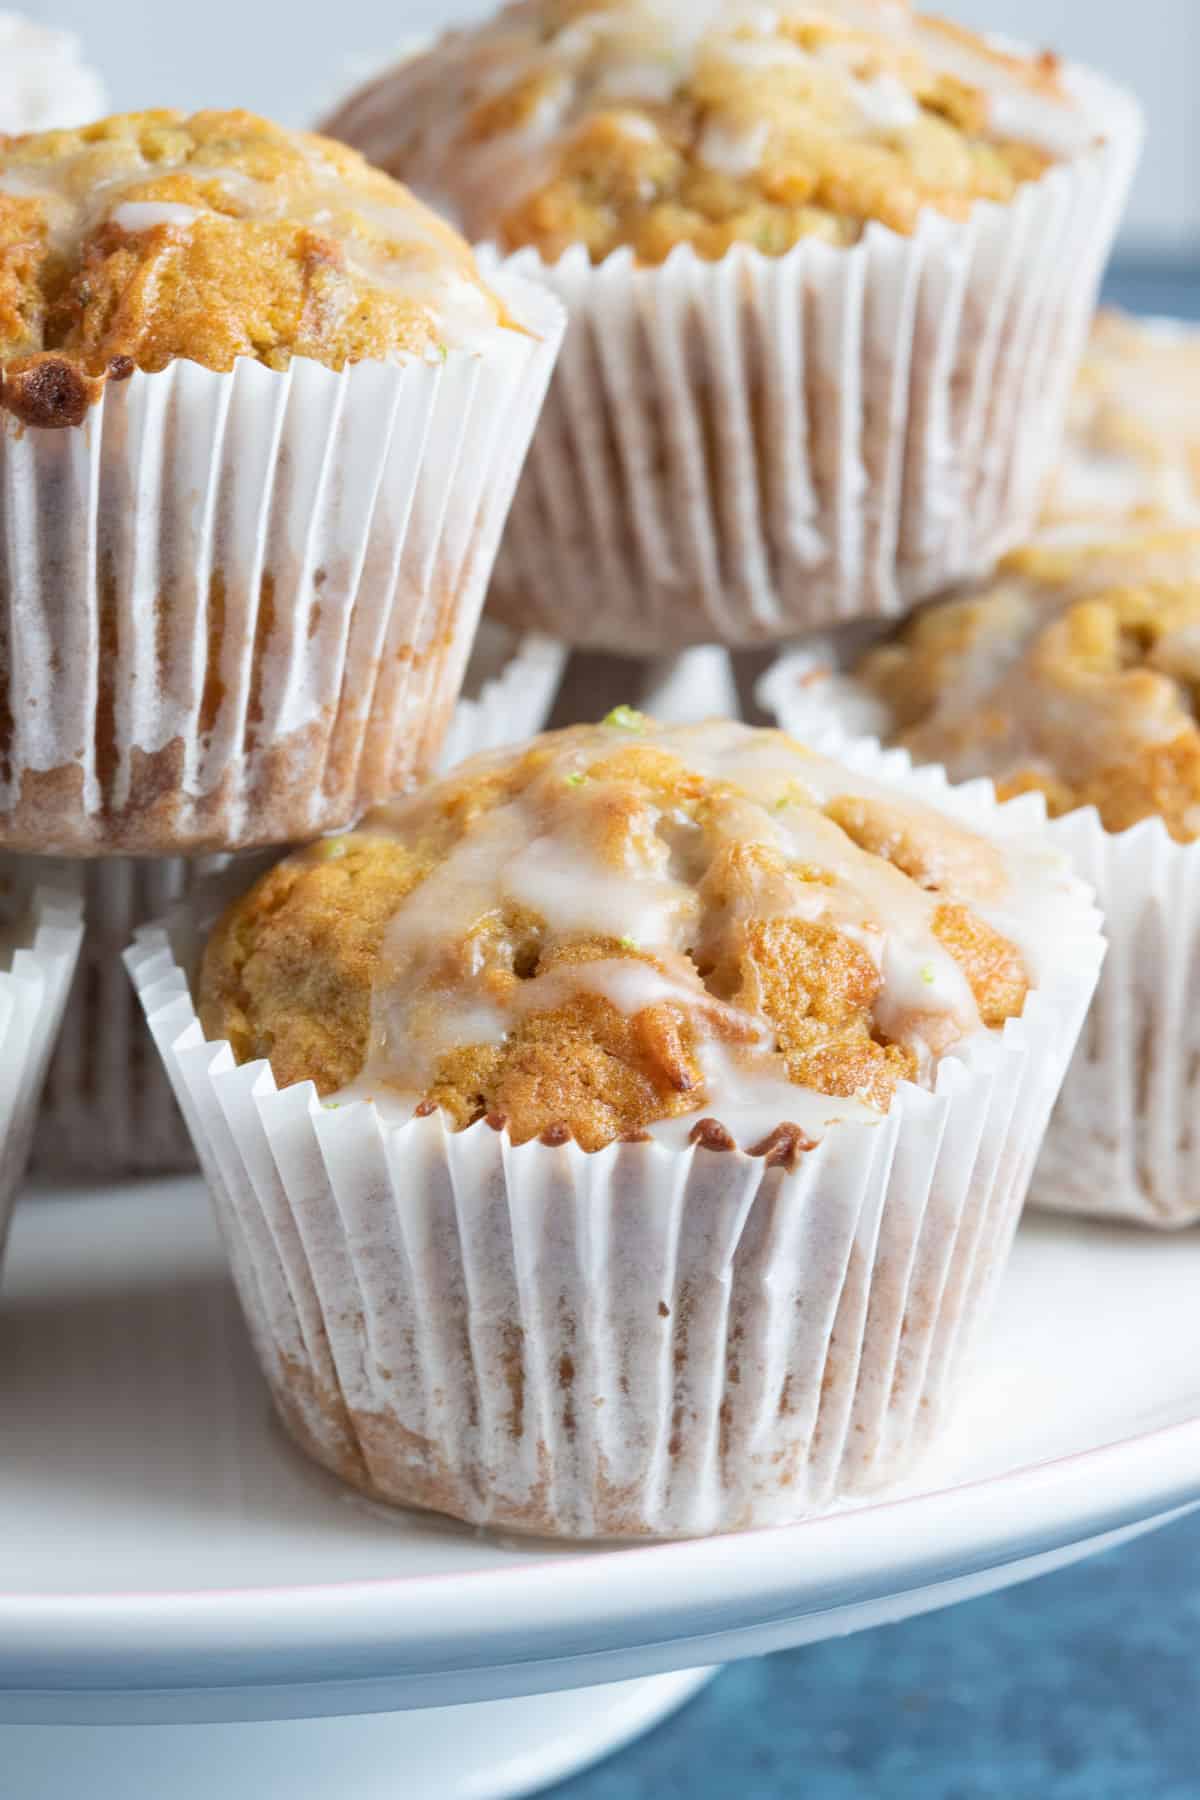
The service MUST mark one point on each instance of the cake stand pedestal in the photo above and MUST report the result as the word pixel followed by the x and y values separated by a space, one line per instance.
pixel 493 1750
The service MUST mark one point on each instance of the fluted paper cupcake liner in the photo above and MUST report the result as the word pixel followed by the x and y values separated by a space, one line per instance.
pixel 643 1341
pixel 1124 1141
pixel 41 927
pixel 236 609
pixel 740 451
pixel 107 1108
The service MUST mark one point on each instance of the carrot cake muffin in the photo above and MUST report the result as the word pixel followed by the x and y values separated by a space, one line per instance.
pixel 1076 672
pixel 618 926
pixel 1133 439
pixel 680 1089
pixel 44 82
pixel 294 413
pixel 823 312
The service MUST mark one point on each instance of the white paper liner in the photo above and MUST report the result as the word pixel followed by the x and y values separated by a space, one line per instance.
pixel 1124 1141
pixel 509 692
pixel 236 609
pixel 743 450
pixel 107 1108
pixel 41 928
pixel 644 1341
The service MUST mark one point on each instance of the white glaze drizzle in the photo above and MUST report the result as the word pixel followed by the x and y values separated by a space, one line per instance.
pixel 537 856
pixel 147 215
pixel 1071 728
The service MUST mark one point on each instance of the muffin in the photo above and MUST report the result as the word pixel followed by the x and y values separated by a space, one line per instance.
pixel 828 270
pixel 624 1135
pixel 260 417
pixel 1132 453
pixel 1076 674
pixel 40 932
pixel 44 81
pixel 107 1108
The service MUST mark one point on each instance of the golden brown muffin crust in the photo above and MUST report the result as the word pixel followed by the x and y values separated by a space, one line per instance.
pixel 567 122
pixel 1076 674
pixel 618 926
pixel 153 236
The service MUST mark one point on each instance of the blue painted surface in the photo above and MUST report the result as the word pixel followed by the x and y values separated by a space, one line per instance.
pixel 1172 289
pixel 1082 1686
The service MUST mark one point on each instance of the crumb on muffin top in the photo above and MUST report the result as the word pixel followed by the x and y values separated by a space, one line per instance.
pixel 154 236
pixel 614 122
pixel 1132 453
pixel 625 924
pixel 1076 673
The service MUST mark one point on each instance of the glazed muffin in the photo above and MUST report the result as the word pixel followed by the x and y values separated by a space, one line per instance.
pixel 214 307
pixel 1075 674
pixel 44 81
pixel 828 271
pixel 1133 442
pixel 659 1102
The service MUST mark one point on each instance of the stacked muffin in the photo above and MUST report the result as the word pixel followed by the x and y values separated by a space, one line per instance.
pixel 829 270
pixel 260 422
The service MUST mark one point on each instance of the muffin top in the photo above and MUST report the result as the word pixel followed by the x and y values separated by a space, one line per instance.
pixel 1133 445
pixel 616 122
pixel 1076 672
pixel 44 81
pixel 152 236
pixel 625 925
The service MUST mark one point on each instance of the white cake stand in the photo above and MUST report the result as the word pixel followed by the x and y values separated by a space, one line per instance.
pixel 187 1609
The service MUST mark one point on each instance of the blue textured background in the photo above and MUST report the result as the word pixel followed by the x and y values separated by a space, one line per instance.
pixel 1082 1686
